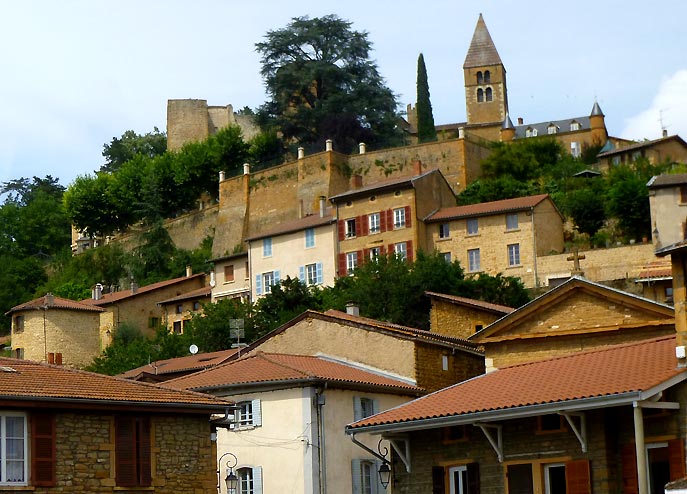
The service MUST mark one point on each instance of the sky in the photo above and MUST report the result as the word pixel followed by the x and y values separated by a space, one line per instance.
pixel 76 74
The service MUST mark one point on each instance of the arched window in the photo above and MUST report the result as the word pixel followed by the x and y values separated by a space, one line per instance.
pixel 488 94
pixel 480 95
pixel 487 77
pixel 479 77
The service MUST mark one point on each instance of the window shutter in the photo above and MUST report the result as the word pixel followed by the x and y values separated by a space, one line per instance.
pixel 125 452
pixel 358 226
pixel 318 270
pixel 258 284
pixel 144 468
pixel 382 221
pixel 257 480
pixel 577 477
pixel 629 462
pixel 342 230
pixel 301 274
pixel 676 459
pixel 356 477
pixel 473 478
pixel 438 481
pixel 365 224
pixel 276 278
pixel 408 222
pixel 390 219
pixel 342 264
pixel 375 406
pixel 257 413
pixel 43 449
pixel 357 408
pixel 409 250
pixel 360 257
pixel 366 255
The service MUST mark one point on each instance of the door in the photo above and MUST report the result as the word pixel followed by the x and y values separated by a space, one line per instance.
pixel 520 479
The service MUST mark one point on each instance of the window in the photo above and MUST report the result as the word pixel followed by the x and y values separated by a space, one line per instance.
pixel 132 451
pixel 364 407
pixel 250 480
pixel 480 77
pixel 574 126
pixel 535 132
pixel 229 273
pixel 268 281
pixel 454 433
pixel 18 324
pixel 444 231
pixel 265 281
pixel 528 132
pixel 153 322
pixel 473 260
pixel 668 291
pixel 176 326
pixel 551 129
pixel 551 423
pixel 248 414
pixel 488 94
pixel 464 479
pixel 444 362
pixel 350 228
pixel 373 223
pixel 311 274
pixel 446 256
pixel 401 250
pixel 364 476
pixel 374 253
pixel 512 221
pixel 179 308
pixel 13 439
pixel 472 226
pixel 196 305
pixel 351 261
pixel 267 247
pixel 400 218
pixel 480 95
pixel 554 478
pixel 309 238
pixel 514 255
pixel 487 76
pixel 616 160
pixel 575 149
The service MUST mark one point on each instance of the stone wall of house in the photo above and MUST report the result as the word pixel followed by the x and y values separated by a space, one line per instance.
pixel 71 333
pixel 184 458
pixel 457 320
pixel 430 371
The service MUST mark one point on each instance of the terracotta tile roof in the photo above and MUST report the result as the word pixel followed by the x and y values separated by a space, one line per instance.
pixel 263 368
pixel 487 208
pixel 112 297
pixel 377 187
pixel 471 302
pixel 654 270
pixel 310 221
pixel 181 364
pixel 53 303
pixel 25 380
pixel 204 292
pixel 617 374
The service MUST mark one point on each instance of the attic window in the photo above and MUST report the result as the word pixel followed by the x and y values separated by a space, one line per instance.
pixel 4 368
pixel 574 126
pixel 552 129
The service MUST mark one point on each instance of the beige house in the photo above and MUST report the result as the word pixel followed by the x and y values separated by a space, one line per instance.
pixel 462 317
pixel 666 149
pixel 386 218
pixel 302 248
pixel 230 277
pixel 505 237
pixel 177 311
pixel 668 204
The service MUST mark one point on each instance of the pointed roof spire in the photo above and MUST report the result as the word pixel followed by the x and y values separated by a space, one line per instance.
pixel 507 123
pixel 596 110
pixel 482 50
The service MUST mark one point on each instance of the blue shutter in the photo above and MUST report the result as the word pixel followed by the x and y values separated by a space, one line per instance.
pixel 357 409
pixel 257 413
pixel 356 477
pixel 301 274
pixel 377 487
pixel 258 284
pixel 276 278
pixel 320 278
pixel 257 480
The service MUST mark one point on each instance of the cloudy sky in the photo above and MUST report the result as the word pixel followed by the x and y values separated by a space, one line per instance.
pixel 75 74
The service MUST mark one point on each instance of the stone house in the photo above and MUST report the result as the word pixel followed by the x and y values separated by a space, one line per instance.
pixel 164 370
pixel 64 431
pixel 507 236
pixel 667 148
pixel 462 317
pixel 230 277
pixel 288 429
pixel 668 205
pixel 386 218
pixel 177 311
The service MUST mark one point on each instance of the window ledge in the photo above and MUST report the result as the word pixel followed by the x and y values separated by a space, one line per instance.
pixel 470 235
pixel 512 230
pixel 134 489
pixel 229 282
pixel 514 266
pixel 443 239
pixel 5 487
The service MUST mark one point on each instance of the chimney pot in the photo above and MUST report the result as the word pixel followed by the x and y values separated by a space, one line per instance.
pixel 352 309
pixel 221 176
pixel 49 299
pixel 322 205
pixel 189 271
pixel 329 145
pixel 665 132
pixel 461 133
pixel 246 168
pixel 520 121
pixel 362 148
pixel 301 153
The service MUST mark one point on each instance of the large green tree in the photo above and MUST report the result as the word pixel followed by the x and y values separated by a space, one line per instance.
pixel 130 144
pixel 323 85
pixel 426 131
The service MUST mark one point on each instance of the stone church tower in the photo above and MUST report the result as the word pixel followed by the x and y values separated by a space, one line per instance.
pixel 486 97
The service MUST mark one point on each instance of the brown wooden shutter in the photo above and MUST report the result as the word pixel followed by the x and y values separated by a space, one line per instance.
pixel 438 480
pixel 342 230
pixel 366 256
pixel 342 264
pixel 382 221
pixel 409 250
pixel 473 478
pixel 629 464
pixel 144 460
pixel 389 219
pixel 408 221
pixel 676 459
pixel 43 455
pixel 577 478
pixel 365 225
pixel 358 226
pixel 125 451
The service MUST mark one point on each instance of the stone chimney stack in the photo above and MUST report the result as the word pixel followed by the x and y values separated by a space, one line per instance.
pixel 49 300
pixel 352 309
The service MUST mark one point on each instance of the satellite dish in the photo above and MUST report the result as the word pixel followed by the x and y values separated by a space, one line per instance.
pixel 193 349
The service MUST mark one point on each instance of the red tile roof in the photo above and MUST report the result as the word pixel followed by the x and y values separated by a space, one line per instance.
pixel 181 364
pixel 204 292
pixel 262 367
pixel 584 380
pixel 656 269
pixel 24 380
pixel 112 297
pixel 480 304
pixel 385 185
pixel 310 221
pixel 487 208
pixel 52 302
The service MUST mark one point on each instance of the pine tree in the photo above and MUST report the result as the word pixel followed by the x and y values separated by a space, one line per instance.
pixel 425 120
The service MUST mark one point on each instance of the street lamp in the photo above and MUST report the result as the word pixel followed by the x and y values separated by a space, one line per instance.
pixel 231 480
pixel 384 469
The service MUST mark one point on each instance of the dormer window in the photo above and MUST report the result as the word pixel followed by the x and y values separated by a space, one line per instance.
pixel 528 132
pixel 534 132
pixel 488 94
pixel 552 129
pixel 574 126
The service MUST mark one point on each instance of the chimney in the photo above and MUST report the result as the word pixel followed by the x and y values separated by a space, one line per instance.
pixel 49 300
pixel 362 148
pixel 322 205
pixel 520 121
pixel 665 132
pixel 356 181
pixel 134 286
pixel 97 291
pixel 461 133
pixel 328 145
pixel 189 271
pixel 301 153
pixel 417 167
pixel 213 281
pixel 246 168
pixel 221 176
pixel 352 309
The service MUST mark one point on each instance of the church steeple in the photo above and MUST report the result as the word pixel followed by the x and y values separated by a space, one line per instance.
pixel 486 97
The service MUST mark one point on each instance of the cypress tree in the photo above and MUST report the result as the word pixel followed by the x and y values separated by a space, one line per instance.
pixel 425 120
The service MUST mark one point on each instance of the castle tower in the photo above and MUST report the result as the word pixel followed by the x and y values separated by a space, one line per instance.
pixel 597 123
pixel 486 99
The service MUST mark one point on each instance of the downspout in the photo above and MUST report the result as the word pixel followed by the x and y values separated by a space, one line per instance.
pixel 640 450
pixel 534 251
pixel 322 459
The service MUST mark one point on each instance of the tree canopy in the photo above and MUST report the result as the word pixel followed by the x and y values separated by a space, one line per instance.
pixel 323 85
pixel 425 119
pixel 122 149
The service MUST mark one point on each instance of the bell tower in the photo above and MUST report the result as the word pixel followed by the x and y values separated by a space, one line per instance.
pixel 486 99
